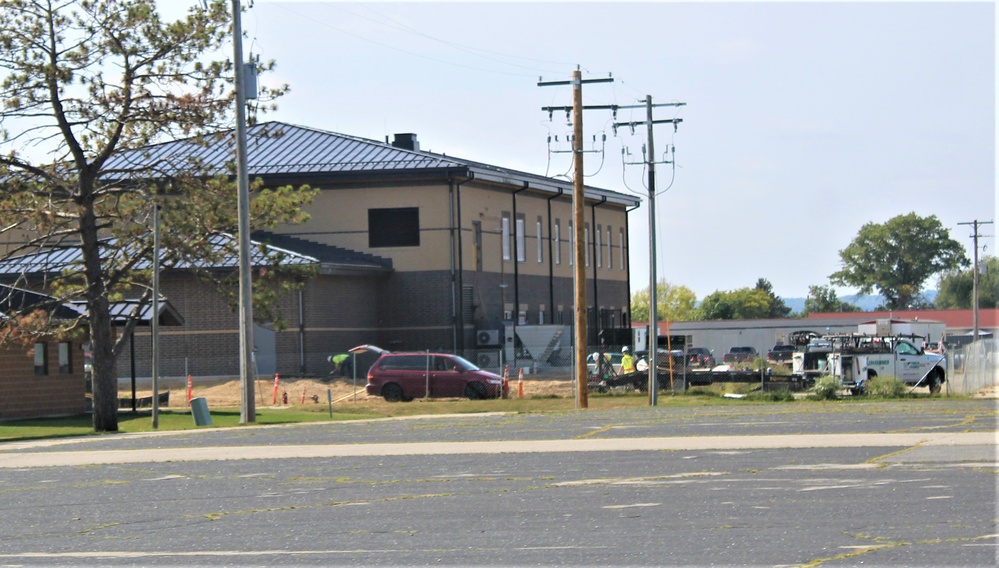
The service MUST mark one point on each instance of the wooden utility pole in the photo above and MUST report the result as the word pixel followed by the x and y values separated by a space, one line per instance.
pixel 578 219
pixel 579 270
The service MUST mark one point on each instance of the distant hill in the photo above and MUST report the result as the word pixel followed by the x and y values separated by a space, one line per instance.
pixel 866 302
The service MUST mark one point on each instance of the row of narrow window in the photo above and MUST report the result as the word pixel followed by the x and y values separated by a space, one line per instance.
pixel 400 227
pixel 522 244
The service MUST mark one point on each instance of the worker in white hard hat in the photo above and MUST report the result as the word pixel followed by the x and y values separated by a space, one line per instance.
pixel 627 362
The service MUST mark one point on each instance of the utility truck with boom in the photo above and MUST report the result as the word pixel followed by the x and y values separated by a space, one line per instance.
pixel 885 349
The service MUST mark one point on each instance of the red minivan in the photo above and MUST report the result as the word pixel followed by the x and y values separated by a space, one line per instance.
pixel 405 376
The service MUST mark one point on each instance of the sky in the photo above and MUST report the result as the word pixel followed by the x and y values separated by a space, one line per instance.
pixel 802 121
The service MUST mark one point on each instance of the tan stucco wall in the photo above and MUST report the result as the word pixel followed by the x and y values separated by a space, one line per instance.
pixel 339 217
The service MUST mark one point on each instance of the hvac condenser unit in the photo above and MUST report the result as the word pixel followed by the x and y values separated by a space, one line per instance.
pixel 487 338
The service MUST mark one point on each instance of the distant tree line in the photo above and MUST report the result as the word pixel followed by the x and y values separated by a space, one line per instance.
pixel 894 259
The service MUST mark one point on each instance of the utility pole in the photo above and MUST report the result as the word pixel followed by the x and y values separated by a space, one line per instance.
pixel 154 320
pixel 578 198
pixel 650 164
pixel 974 274
pixel 247 410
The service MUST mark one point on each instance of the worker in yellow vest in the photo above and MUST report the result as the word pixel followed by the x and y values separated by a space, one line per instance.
pixel 627 362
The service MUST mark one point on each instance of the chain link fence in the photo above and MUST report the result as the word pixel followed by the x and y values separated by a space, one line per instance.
pixel 972 368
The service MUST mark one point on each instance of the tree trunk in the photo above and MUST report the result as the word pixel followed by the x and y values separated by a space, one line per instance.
pixel 102 359
pixel 105 380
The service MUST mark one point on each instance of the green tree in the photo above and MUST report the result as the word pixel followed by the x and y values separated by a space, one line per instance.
pixel 744 303
pixel 822 299
pixel 83 82
pixel 955 289
pixel 673 303
pixel 897 257
pixel 778 309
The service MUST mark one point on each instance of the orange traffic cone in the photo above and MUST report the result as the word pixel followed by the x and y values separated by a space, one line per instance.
pixel 520 384
pixel 506 383
pixel 277 381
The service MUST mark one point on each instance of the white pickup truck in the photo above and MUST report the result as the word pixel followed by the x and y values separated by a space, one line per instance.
pixel 856 359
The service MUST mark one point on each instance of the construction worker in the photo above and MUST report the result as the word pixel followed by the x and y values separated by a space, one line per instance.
pixel 341 364
pixel 627 362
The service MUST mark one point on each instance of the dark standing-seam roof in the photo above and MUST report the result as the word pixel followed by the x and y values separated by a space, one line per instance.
pixel 17 301
pixel 58 259
pixel 287 151
pixel 275 148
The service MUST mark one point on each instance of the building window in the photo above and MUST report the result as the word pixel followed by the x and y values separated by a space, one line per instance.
pixel 586 242
pixel 610 249
pixel 624 257
pixel 521 240
pixel 558 242
pixel 477 244
pixel 506 236
pixel 65 358
pixel 600 247
pixel 572 244
pixel 396 227
pixel 541 256
pixel 41 359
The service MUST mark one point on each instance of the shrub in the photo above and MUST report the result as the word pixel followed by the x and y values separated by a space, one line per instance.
pixel 886 387
pixel 700 391
pixel 826 388
pixel 772 396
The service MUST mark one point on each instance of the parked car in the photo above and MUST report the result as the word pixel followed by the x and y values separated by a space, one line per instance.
pixel 740 355
pixel 405 376
pixel 700 357
pixel 591 362
pixel 781 354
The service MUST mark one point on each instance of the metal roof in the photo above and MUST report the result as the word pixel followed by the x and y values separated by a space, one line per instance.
pixel 58 259
pixel 274 148
pixel 280 151
pixel 329 256
pixel 123 310
pixel 18 301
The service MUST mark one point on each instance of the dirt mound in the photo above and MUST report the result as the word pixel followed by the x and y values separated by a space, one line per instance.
pixel 313 391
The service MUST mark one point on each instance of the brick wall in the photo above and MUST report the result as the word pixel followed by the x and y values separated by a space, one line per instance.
pixel 23 394
pixel 339 312
pixel 403 311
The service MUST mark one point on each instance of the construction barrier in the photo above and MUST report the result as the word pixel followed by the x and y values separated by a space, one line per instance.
pixel 190 389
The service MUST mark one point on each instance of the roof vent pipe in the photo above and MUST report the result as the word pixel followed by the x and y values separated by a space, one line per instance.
pixel 406 142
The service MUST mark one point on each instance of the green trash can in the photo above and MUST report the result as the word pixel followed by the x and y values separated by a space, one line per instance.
pixel 199 409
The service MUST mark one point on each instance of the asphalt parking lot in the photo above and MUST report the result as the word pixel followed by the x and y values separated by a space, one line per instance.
pixel 905 483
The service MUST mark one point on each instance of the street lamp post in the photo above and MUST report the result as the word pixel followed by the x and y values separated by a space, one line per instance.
pixel 247 410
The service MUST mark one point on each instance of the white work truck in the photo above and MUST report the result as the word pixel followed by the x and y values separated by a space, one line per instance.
pixel 859 357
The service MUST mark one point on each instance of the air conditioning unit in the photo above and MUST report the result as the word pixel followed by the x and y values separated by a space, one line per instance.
pixel 488 360
pixel 487 337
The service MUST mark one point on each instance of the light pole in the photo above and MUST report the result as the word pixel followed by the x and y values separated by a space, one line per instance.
pixel 247 410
